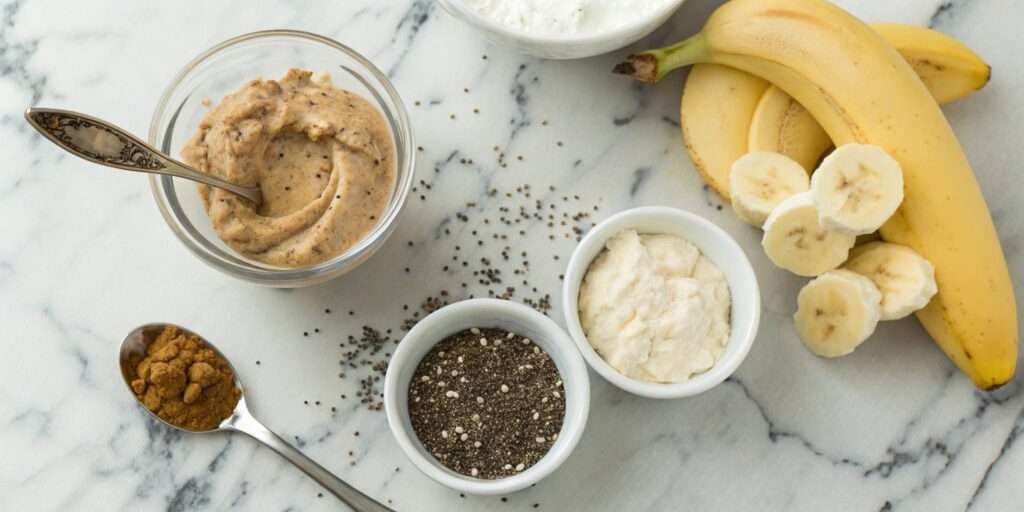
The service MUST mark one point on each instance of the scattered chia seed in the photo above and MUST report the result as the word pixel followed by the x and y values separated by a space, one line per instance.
pixel 508 220
pixel 515 412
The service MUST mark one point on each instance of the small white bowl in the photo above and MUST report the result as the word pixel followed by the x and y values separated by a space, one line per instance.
pixel 567 46
pixel 718 246
pixel 487 313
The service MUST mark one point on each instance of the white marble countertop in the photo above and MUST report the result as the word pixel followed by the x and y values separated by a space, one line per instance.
pixel 85 257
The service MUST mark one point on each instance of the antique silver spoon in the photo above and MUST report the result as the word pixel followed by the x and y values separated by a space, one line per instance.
pixel 133 349
pixel 103 143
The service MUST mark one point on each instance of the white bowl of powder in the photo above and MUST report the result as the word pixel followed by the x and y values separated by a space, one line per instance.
pixel 636 322
pixel 564 29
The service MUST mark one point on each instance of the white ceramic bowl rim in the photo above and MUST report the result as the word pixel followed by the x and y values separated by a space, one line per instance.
pixel 531 37
pixel 739 271
pixel 576 385
pixel 232 263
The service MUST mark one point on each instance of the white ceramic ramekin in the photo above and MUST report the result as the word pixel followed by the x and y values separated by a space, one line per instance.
pixel 563 46
pixel 487 313
pixel 718 246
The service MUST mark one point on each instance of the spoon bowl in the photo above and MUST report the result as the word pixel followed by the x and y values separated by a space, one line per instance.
pixel 133 349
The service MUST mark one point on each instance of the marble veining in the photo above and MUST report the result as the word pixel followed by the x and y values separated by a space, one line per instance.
pixel 14 54
pixel 408 28
pixel 85 257
pixel 945 11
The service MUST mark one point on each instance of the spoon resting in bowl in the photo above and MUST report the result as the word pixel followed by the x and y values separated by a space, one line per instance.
pixel 106 144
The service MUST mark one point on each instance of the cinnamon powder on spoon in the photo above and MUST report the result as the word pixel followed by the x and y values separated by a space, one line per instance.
pixel 185 382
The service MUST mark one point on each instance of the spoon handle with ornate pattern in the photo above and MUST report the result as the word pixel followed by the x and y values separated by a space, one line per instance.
pixel 103 143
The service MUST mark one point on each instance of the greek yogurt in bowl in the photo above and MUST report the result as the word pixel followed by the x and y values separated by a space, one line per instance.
pixel 704 364
pixel 654 307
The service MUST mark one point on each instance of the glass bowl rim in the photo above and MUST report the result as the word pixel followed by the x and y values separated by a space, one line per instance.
pixel 398 121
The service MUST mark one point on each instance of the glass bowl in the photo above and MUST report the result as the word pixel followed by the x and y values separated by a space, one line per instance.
pixel 224 69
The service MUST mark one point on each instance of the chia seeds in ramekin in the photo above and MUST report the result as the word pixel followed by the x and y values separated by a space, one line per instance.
pixel 487 403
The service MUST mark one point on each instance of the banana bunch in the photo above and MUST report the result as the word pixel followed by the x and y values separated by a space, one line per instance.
pixel 776 74
pixel 727 112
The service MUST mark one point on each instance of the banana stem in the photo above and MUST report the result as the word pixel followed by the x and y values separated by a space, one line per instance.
pixel 652 65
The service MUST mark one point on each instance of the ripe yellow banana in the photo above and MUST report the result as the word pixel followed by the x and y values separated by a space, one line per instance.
pixel 722 118
pixel 949 69
pixel 862 91
pixel 782 125
pixel 717 107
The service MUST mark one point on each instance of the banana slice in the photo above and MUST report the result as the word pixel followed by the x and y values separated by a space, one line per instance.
pixel 836 312
pixel 906 280
pixel 857 188
pixel 761 180
pixel 795 240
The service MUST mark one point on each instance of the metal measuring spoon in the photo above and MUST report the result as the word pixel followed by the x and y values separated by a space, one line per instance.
pixel 104 143
pixel 241 420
